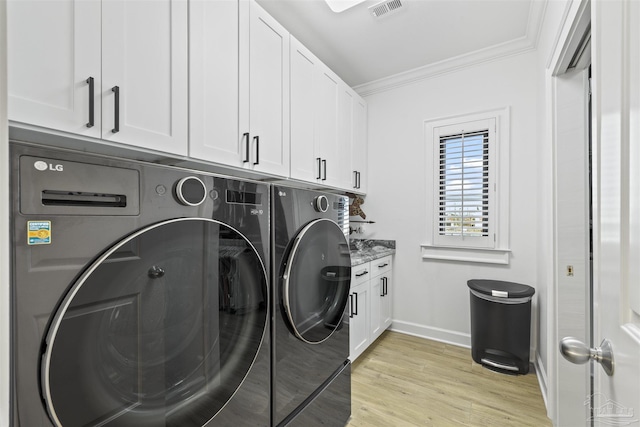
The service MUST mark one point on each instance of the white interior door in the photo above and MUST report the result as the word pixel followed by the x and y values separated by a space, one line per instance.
pixel 616 103
pixel 572 245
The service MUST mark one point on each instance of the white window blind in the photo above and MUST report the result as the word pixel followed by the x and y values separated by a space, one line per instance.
pixel 464 185
pixel 464 193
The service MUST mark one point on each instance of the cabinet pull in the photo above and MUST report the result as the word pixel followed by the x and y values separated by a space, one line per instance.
pixel 257 140
pixel 362 274
pixel 384 285
pixel 319 160
pixel 355 313
pixel 358 180
pixel 116 117
pixel 355 179
pixel 91 103
pixel 246 138
pixel 351 305
pixel 383 265
pixel 324 167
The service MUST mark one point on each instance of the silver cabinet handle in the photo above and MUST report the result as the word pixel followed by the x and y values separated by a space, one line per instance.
pixel 575 351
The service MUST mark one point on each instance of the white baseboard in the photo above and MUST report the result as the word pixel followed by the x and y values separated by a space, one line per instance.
pixel 432 333
pixel 541 373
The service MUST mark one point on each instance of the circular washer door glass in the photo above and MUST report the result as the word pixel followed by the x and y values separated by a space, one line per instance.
pixel 316 280
pixel 160 330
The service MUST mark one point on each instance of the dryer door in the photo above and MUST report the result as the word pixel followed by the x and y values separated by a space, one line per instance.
pixel 160 330
pixel 315 287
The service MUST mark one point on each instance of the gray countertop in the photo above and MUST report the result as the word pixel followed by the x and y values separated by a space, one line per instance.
pixel 368 250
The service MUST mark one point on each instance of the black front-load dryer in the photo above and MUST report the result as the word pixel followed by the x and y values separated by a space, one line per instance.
pixel 312 275
pixel 139 294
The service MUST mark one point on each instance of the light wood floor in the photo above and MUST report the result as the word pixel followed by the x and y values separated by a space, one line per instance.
pixel 406 381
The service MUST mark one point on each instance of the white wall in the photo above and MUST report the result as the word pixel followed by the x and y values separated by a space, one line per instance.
pixel 431 297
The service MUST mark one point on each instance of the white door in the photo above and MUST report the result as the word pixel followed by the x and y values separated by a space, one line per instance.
pixel 327 123
pixel 359 319
pixel 144 80
pixel 267 122
pixel 572 246
pixel 213 82
pixel 346 106
pixel 305 160
pixel 375 307
pixel 359 147
pixel 616 104
pixel 54 64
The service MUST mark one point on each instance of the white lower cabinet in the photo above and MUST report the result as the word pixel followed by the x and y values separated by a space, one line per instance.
pixel 380 297
pixel 370 303
pixel 359 320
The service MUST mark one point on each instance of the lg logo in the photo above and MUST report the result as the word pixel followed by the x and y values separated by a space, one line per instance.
pixel 43 166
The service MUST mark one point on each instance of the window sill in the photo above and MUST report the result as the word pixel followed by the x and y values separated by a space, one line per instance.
pixel 485 256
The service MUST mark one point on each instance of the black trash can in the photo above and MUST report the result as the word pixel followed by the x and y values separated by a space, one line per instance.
pixel 501 325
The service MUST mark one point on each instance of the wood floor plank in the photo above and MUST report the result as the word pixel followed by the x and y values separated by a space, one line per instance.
pixel 406 381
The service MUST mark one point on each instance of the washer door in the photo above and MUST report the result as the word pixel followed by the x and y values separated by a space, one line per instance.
pixel 316 281
pixel 161 330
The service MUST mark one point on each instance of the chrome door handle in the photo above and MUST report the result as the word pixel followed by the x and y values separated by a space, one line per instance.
pixel 575 351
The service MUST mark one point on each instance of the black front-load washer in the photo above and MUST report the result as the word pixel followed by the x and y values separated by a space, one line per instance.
pixel 311 279
pixel 139 294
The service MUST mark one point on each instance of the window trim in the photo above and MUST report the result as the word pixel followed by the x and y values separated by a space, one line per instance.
pixel 436 246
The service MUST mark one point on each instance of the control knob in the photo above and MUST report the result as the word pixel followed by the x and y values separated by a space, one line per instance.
pixel 321 204
pixel 191 191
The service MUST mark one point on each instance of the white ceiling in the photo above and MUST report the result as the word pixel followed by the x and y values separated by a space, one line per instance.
pixel 422 34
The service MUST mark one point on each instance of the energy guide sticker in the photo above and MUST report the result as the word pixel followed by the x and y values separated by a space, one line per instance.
pixel 38 232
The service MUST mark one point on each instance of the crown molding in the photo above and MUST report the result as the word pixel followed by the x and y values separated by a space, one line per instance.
pixel 523 44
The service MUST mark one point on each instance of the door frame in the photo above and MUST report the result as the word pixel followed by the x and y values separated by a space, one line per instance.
pixel 566 403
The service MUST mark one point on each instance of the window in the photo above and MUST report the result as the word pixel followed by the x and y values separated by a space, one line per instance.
pixel 467 201
pixel 465 191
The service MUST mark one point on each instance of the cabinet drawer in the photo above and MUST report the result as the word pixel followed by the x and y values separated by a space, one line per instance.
pixel 360 274
pixel 381 265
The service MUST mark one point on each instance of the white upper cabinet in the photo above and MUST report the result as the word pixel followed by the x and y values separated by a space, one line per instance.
pixel 114 69
pixel 144 73
pixel 305 158
pixel 54 70
pixel 264 91
pixel 346 132
pixel 359 171
pixel 327 124
pixel 214 82
pixel 322 112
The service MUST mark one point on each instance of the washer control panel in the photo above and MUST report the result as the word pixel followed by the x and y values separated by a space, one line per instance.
pixel 191 191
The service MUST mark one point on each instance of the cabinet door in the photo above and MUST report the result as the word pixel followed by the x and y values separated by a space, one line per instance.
pixel 144 72
pixel 359 147
pixel 267 121
pixel 326 133
pixel 375 308
pixel 213 81
pixel 53 50
pixel 359 321
pixel 346 105
pixel 305 161
pixel 387 302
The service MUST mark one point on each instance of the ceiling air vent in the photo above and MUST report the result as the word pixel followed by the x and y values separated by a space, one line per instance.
pixel 385 8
